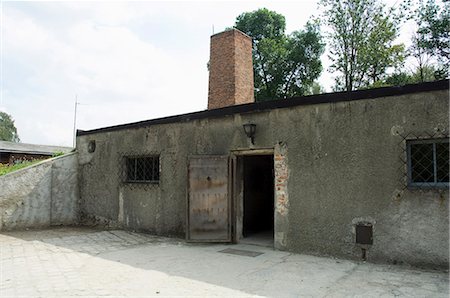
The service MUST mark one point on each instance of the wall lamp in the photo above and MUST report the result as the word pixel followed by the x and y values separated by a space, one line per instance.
pixel 250 130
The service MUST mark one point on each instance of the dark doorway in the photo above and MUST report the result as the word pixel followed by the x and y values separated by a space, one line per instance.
pixel 258 221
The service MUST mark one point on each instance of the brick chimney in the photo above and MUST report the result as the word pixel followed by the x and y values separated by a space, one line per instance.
pixel 230 69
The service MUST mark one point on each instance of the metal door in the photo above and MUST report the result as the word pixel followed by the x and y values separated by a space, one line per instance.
pixel 208 200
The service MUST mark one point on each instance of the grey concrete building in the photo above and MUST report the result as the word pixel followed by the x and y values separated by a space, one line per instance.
pixel 360 174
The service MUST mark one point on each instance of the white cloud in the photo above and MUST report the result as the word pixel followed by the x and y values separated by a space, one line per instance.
pixel 118 75
pixel 126 61
pixel 21 32
pixel 113 59
pixel 109 12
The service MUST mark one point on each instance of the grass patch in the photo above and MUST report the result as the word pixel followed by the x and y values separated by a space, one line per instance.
pixel 57 153
pixel 5 169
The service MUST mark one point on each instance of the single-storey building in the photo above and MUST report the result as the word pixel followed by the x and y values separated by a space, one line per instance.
pixel 11 152
pixel 360 175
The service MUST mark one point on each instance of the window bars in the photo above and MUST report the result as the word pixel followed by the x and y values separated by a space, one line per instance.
pixel 139 170
pixel 425 161
pixel 142 169
pixel 428 162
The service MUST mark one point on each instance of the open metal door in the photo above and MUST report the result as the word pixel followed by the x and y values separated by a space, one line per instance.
pixel 208 200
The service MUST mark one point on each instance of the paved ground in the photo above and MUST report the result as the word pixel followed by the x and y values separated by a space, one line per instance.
pixel 85 262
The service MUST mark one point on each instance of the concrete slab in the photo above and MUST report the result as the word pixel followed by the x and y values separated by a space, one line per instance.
pixel 86 262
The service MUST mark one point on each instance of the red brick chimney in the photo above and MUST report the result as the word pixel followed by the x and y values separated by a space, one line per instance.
pixel 230 69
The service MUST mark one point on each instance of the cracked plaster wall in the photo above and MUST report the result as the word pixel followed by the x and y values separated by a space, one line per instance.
pixel 342 161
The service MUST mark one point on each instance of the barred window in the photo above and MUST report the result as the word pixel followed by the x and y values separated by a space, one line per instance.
pixel 142 169
pixel 428 163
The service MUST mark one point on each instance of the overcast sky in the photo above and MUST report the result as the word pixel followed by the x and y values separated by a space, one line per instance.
pixel 125 61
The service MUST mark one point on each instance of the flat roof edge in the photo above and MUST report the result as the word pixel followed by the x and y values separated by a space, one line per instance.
pixel 282 103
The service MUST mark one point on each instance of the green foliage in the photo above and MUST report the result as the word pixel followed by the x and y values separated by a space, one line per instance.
pixel 421 57
pixel 315 89
pixel 262 24
pixel 361 41
pixel 8 131
pixel 398 79
pixel 433 22
pixel 379 54
pixel 57 153
pixel 423 74
pixel 284 65
pixel 5 169
pixel 431 42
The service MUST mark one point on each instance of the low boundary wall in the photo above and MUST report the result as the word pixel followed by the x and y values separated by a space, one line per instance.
pixel 41 195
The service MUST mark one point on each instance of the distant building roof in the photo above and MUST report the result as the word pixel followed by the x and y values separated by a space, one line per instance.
pixel 11 147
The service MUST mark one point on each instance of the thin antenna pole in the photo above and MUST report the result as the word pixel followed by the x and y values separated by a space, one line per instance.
pixel 213 29
pixel 75 122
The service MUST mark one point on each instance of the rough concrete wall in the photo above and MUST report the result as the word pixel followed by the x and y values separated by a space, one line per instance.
pixel 41 195
pixel 345 162
pixel 25 198
pixel 64 190
pixel 100 192
pixel 343 166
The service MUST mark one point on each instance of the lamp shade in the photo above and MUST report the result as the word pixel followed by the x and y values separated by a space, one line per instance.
pixel 250 129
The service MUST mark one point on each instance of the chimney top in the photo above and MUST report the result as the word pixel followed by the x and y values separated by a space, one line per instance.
pixel 229 31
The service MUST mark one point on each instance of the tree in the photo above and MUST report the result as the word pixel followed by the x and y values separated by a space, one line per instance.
pixel 426 73
pixel 434 29
pixel 431 42
pixel 314 89
pixel 422 58
pixel 361 41
pixel 8 131
pixel 284 65
pixel 398 79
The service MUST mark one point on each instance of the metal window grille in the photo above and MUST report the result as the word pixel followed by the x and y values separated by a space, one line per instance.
pixel 141 169
pixel 428 162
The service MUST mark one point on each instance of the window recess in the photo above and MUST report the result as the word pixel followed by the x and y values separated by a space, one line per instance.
pixel 428 163
pixel 141 169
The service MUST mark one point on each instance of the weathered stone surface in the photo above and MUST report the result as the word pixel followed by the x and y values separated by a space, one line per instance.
pixel 64 191
pixel 41 195
pixel 343 162
pixel 25 197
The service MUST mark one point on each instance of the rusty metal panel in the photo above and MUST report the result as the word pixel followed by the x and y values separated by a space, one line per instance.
pixel 208 199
